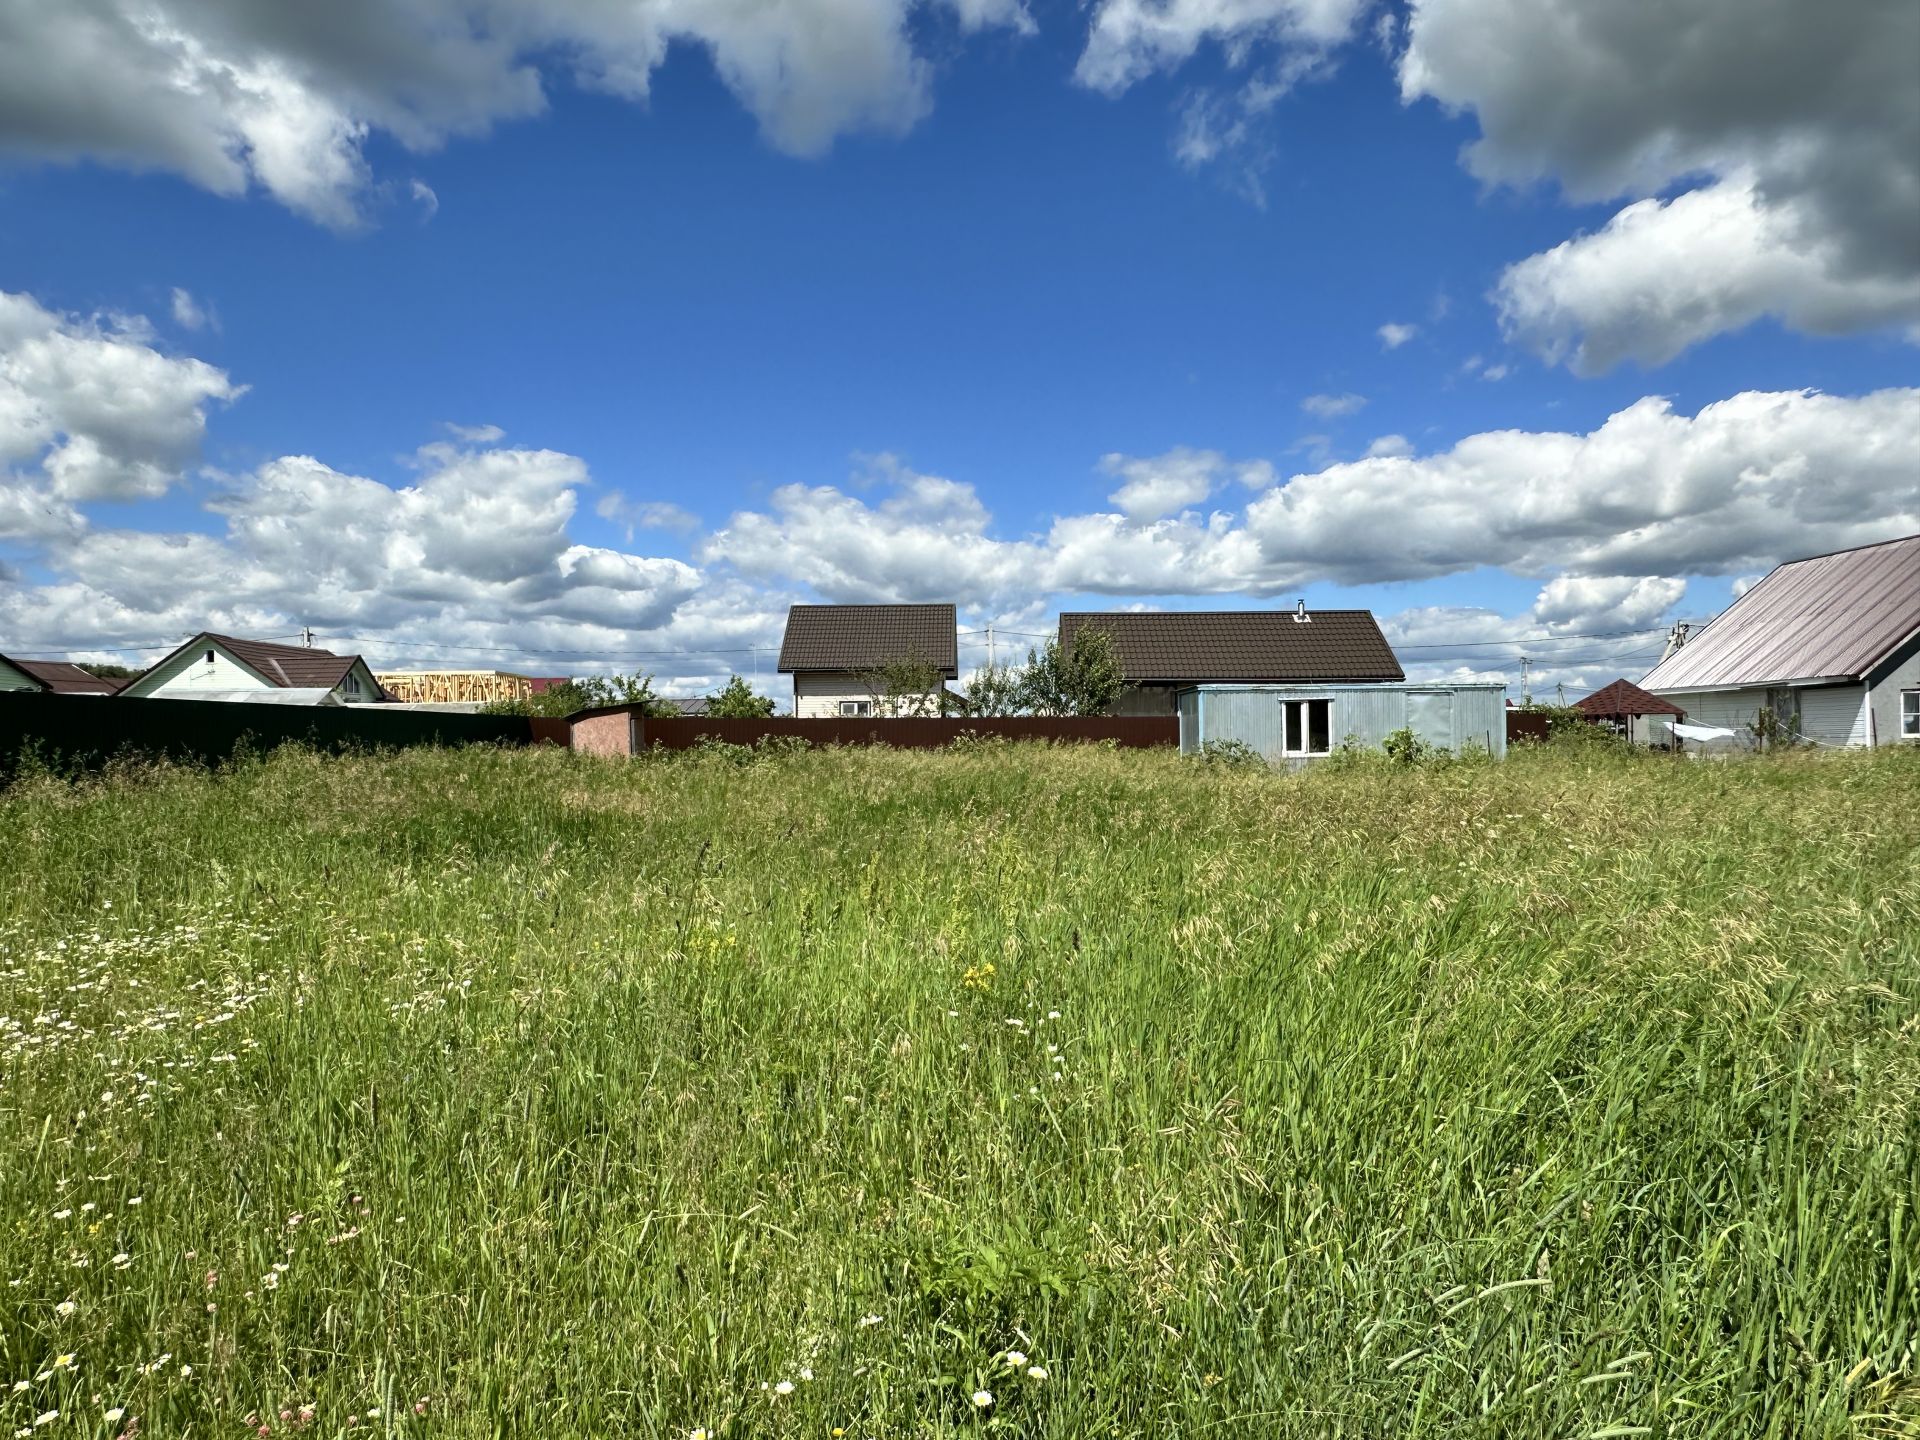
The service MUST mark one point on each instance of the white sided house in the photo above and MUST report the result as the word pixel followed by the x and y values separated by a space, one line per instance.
pixel 835 654
pixel 53 677
pixel 15 676
pixel 223 667
pixel 1830 645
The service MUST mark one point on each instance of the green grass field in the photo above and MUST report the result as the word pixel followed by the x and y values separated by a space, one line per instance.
pixel 476 1093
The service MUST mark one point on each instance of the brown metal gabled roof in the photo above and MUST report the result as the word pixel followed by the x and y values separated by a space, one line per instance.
pixel 1828 617
pixel 865 637
pixel 288 667
pixel 63 678
pixel 1271 647
pixel 1623 697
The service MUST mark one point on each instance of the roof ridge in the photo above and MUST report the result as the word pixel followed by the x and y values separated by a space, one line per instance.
pixel 1846 550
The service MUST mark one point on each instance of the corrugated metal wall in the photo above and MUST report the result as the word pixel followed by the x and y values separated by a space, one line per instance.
pixel 1828 715
pixel 1834 714
pixel 1450 716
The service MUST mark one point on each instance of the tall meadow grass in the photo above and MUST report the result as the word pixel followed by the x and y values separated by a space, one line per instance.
pixel 1054 1093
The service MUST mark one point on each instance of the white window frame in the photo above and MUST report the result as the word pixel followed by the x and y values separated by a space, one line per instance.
pixel 855 709
pixel 352 683
pixel 1288 747
pixel 1910 714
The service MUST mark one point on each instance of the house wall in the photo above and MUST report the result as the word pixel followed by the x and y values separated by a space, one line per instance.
pixel 1450 716
pixel 1903 673
pixel 1831 716
pixel 190 672
pixel 604 734
pixel 817 695
pixel 368 692
pixel 1834 715
pixel 12 679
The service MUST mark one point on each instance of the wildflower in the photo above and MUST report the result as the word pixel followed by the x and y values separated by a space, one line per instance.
pixel 20 1385
pixel 785 1387
pixel 87 1207
pixel 373 1410
pixel 982 1399
pixel 420 1406
pixel 306 1414
pixel 1036 1372
pixel 271 1280
pixel 122 1260
pixel 1053 1014
pixel 866 1320
pixel 63 1362
pixel 134 1201
pixel 65 1308
pixel 62 1214
pixel 186 1372
pixel 806 1372
pixel 699 1433
pixel 113 1416
pixel 47 1419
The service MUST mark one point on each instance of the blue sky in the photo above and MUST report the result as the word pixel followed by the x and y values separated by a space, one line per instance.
pixel 918 359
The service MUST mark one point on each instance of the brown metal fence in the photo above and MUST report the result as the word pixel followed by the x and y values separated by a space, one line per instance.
pixel 1529 727
pixel 1128 731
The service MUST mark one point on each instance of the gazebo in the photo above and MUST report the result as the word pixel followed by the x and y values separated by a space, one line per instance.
pixel 1624 707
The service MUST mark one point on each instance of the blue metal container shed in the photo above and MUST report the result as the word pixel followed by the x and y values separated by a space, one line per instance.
pixel 1295 724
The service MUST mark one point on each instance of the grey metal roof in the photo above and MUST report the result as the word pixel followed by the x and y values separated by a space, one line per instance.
pixel 865 637
pixel 1828 617
pixel 1202 646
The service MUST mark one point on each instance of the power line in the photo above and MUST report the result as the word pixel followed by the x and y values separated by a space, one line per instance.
pixel 115 645
pixel 1530 639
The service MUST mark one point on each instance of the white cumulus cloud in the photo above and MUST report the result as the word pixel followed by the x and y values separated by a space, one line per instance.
pixel 90 410
pixel 1330 407
pixel 1796 127
pixel 231 94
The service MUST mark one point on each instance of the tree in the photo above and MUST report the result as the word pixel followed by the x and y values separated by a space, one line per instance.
pixel 1083 678
pixel 909 685
pixel 736 701
pixel 112 672
pixel 586 692
pixel 993 690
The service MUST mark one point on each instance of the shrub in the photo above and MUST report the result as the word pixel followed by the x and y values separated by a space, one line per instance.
pixel 1232 755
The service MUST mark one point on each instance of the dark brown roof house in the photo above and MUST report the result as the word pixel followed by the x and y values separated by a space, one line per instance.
pixel 56 677
pixel 1165 651
pixel 836 654
pixel 1626 709
pixel 227 667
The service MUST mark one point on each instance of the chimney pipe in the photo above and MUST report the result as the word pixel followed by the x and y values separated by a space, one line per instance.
pixel 1300 616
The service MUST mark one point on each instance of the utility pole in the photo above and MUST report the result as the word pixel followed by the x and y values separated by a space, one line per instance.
pixel 1560 690
pixel 1526 681
pixel 1676 638
pixel 990 645
pixel 306 636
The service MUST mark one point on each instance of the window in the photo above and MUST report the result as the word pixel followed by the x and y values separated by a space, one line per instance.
pixel 1910 714
pixel 209 657
pixel 1309 727
pixel 856 707
pixel 352 687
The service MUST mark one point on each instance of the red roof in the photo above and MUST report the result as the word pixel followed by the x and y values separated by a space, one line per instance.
pixel 1623 697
